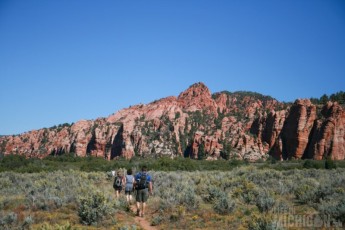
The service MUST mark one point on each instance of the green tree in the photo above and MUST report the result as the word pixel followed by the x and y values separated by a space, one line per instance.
pixel 225 153
pixel 324 99
pixel 201 152
pixel 330 164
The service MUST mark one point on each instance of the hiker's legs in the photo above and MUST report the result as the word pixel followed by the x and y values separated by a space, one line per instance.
pixel 128 196
pixel 143 208
pixel 144 199
pixel 138 208
pixel 139 199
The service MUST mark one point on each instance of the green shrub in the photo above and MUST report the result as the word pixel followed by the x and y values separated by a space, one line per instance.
pixel 262 223
pixel 190 199
pixel 236 162
pixel 305 194
pixel 28 221
pixel 65 226
pixel 224 205
pixel 308 164
pixel 333 209
pixel 156 220
pixel 330 164
pixel 213 193
pixel 93 208
pixel 264 201
pixel 8 220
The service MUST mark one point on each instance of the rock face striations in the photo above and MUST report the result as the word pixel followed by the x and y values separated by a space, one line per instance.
pixel 298 125
pixel 196 124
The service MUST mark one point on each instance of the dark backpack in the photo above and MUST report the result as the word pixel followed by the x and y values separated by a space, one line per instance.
pixel 142 182
pixel 117 182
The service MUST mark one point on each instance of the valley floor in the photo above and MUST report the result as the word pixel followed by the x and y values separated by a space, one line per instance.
pixel 246 197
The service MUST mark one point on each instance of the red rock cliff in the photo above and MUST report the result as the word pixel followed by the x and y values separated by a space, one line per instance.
pixel 328 137
pixel 244 125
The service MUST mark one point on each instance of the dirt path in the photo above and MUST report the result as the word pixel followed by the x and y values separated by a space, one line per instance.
pixel 141 221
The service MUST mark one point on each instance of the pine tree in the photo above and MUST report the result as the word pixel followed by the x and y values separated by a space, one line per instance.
pixel 225 153
pixel 201 152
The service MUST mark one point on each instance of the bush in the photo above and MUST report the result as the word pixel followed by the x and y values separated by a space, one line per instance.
pixel 213 194
pixel 333 209
pixel 28 221
pixel 65 226
pixel 308 164
pixel 93 209
pixel 8 220
pixel 262 223
pixel 247 190
pixel 157 220
pixel 190 199
pixel 224 205
pixel 264 201
pixel 330 164
pixel 306 193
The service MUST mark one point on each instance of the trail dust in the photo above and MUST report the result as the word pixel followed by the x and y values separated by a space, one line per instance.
pixel 141 221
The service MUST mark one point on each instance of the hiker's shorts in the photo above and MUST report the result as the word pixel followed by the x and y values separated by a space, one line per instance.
pixel 142 195
pixel 118 188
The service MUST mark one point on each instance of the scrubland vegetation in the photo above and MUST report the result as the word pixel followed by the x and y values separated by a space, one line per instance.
pixel 247 196
pixel 18 163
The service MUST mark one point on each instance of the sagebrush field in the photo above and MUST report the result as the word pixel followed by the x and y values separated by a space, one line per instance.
pixel 247 197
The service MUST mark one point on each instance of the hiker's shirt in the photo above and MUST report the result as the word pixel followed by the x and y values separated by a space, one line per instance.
pixel 129 182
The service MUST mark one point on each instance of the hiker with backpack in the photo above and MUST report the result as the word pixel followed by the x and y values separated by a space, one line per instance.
pixel 143 185
pixel 129 183
pixel 118 183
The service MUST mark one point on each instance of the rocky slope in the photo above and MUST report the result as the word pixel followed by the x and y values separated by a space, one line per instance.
pixel 197 124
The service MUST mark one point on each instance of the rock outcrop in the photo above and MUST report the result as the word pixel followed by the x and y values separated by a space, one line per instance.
pixel 244 125
pixel 328 136
pixel 297 127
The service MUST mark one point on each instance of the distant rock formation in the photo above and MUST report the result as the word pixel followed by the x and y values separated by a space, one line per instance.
pixel 251 125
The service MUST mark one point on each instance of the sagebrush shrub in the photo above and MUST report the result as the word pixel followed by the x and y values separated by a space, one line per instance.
pixel 263 223
pixel 213 193
pixel 28 221
pixel 265 201
pixel 93 208
pixel 306 194
pixel 306 191
pixel 189 199
pixel 224 205
pixel 156 220
pixel 8 220
pixel 334 209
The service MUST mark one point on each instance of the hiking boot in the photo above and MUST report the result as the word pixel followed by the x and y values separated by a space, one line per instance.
pixel 138 212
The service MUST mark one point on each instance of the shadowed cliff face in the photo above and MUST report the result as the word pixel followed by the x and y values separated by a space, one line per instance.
pixel 244 125
pixel 328 136
pixel 297 127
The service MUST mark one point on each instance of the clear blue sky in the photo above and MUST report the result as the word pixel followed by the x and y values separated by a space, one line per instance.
pixel 66 60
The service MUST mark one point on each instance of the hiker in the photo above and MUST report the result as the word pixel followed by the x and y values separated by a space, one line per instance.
pixel 118 183
pixel 129 183
pixel 143 185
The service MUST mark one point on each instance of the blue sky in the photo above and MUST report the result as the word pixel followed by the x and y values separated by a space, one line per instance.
pixel 67 60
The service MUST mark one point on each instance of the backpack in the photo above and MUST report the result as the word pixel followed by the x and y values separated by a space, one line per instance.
pixel 117 182
pixel 142 182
